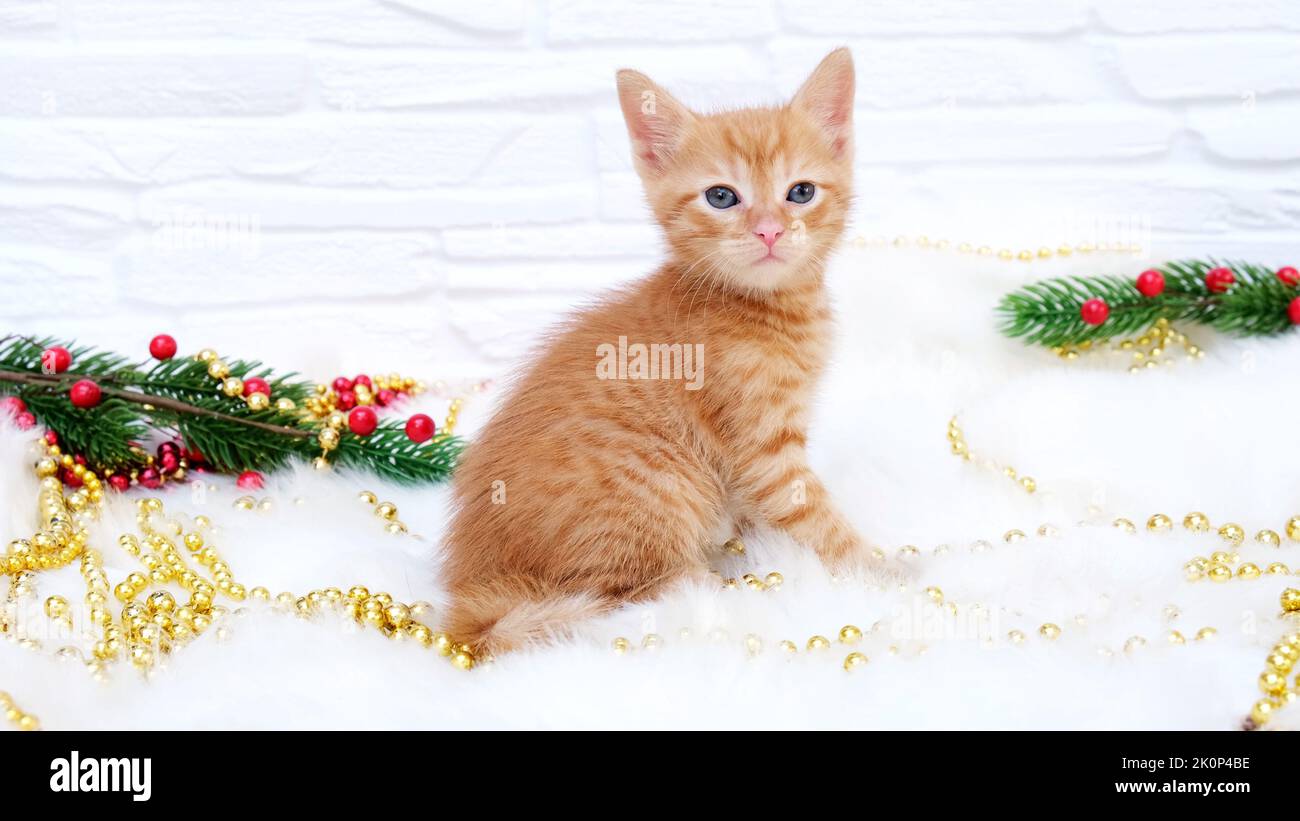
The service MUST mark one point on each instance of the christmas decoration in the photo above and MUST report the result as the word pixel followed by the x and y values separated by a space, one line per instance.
pixel 1151 283
pixel 84 393
pixel 362 421
pixel 175 598
pixel 162 346
pixel 1289 276
pixel 222 412
pixel 419 428
pixel 1241 299
pixel 56 359
pixel 1094 311
pixel 1221 566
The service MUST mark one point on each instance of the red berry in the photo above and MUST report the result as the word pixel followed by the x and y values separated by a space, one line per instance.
pixel 1293 311
pixel 362 379
pixel 347 400
pixel 69 478
pixel 149 478
pixel 1151 283
pixel 1094 311
pixel 342 384
pixel 51 438
pixel 1219 280
pixel 385 397
pixel 363 420
pixel 119 482
pixel 250 480
pixel 85 394
pixel 25 421
pixel 1289 276
pixel 256 384
pixel 12 406
pixel 55 359
pixel 162 347
pixel 420 428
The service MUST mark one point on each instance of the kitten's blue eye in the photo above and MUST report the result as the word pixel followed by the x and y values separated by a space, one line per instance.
pixel 801 192
pixel 720 196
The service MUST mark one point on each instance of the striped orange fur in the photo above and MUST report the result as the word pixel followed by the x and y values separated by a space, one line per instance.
pixel 585 490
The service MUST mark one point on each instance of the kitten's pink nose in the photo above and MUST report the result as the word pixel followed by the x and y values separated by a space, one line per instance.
pixel 769 231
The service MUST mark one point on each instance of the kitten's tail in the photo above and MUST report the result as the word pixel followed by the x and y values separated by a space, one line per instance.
pixel 509 612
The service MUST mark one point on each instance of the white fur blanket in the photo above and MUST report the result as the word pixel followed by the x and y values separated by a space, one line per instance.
pixel 919 345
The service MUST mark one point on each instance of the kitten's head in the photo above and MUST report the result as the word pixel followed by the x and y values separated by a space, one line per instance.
pixel 755 196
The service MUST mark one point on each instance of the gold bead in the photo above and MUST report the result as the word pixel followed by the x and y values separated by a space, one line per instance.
pixel 818 643
pixel 56 607
pixel 1196 522
pixel 257 401
pixel 218 369
pixel 421 634
pixel 1175 637
pixel 232 386
pixel 160 602
pixel 328 439
pixel 1223 557
pixel 1232 533
pixel 1219 572
pixel 1261 712
pixel 1159 523
pixel 1272 683
pixel 1134 643
pixel 1278 569
pixel 774 579
pixel 651 641
pixel 397 614
pixel 124 591
pixel 788 647
pixel 620 645
pixel 443 644
pixel 1049 631
pixel 734 546
pixel 368 497
pixel 1290 600
pixel 1249 570
pixel 463 660
pixel 934 594
pixel 1016 637
pixel 1125 525
pixel 1293 528
pixel 853 661
pixel 1206 633
pixel 1028 483
pixel 1268 537
pixel 46 467
pixel 320 463
pixel 386 510
pixel 850 634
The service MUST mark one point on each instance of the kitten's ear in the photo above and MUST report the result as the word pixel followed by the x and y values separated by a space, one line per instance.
pixel 656 122
pixel 827 96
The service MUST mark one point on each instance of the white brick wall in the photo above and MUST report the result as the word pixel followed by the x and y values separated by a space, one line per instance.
pixel 421 184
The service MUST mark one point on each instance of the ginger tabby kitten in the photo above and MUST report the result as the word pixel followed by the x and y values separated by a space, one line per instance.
pixel 597 483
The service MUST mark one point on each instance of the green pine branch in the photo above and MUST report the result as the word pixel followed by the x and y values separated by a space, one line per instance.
pixel 177 397
pixel 1048 312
